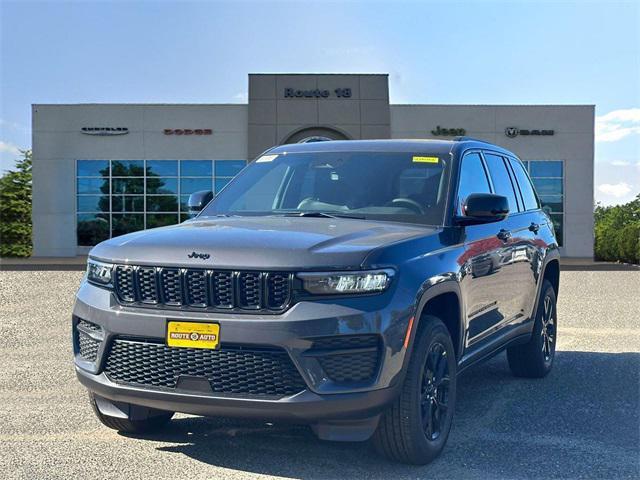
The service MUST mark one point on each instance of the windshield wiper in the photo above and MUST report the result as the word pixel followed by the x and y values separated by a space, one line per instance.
pixel 322 215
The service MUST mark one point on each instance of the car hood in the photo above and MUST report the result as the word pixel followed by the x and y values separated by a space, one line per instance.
pixel 258 242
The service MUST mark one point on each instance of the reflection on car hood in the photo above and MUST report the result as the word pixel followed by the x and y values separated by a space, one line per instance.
pixel 258 242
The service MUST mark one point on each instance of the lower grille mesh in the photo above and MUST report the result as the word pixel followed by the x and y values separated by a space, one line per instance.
pixel 348 358
pixel 88 347
pixel 229 370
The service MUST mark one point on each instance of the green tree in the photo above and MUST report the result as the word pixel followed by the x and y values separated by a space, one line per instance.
pixel 15 209
pixel 617 232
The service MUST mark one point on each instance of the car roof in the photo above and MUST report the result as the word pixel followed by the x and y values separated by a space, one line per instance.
pixel 436 147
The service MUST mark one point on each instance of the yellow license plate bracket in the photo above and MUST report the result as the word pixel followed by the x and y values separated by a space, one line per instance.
pixel 193 335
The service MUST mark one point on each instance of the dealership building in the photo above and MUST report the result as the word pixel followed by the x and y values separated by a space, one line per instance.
pixel 102 170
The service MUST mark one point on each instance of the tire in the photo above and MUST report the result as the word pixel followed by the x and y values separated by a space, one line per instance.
pixel 400 435
pixel 125 425
pixel 535 358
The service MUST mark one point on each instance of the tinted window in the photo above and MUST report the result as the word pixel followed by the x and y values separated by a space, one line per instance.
pixel 473 178
pixel 528 195
pixel 501 180
pixel 402 186
pixel 546 168
pixel 196 168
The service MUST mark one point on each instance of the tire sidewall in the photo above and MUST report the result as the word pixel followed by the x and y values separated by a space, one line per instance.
pixel 432 331
pixel 547 291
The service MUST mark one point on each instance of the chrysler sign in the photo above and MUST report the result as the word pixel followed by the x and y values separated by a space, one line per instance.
pixel 105 131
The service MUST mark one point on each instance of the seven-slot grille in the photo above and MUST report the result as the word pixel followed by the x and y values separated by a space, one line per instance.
pixel 199 288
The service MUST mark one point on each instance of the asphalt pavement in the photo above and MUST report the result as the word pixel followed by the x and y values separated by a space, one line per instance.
pixel 582 421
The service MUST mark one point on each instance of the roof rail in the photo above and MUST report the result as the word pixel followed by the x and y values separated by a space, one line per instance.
pixel 467 139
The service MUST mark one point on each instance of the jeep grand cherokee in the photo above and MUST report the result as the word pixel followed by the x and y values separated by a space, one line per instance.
pixel 341 284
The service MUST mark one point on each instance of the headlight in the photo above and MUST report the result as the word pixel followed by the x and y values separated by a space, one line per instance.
pixel 99 272
pixel 336 283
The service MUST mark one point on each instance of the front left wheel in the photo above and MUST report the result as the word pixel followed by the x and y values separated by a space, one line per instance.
pixel 415 428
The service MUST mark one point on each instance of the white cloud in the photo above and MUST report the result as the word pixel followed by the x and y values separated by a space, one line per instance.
pixel 617 190
pixel 9 148
pixel 617 125
pixel 621 163
pixel 241 97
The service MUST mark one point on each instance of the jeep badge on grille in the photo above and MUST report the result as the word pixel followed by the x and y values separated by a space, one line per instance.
pixel 203 256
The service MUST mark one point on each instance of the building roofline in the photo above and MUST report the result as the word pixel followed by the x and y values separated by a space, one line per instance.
pixel 119 104
pixel 492 105
pixel 246 104
pixel 318 74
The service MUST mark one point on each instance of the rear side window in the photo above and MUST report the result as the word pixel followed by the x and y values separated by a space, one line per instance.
pixel 473 178
pixel 526 189
pixel 501 179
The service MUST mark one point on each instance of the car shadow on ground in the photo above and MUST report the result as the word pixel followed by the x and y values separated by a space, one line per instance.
pixel 580 421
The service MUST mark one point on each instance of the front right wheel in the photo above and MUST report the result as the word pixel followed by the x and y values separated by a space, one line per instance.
pixel 416 427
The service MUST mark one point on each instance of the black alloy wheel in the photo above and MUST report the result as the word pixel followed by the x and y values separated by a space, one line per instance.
pixel 434 391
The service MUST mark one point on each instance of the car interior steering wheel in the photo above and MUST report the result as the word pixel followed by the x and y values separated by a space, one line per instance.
pixel 407 203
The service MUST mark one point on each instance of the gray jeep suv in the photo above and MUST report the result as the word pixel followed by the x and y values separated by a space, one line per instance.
pixel 344 285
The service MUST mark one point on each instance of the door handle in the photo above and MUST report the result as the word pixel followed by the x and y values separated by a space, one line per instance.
pixel 534 227
pixel 504 235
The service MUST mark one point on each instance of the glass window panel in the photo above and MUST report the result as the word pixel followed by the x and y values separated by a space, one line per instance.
pixel 552 203
pixel 92 203
pixel 183 203
pixel 221 182
pixel 558 225
pixel 162 203
pixel 161 219
pixel 548 186
pixel 127 168
pixel 126 223
pixel 473 178
pixel 190 185
pixel 184 217
pixel 526 189
pixel 127 203
pixel 501 180
pixel 93 185
pixel 92 229
pixel 127 185
pixel 546 168
pixel 229 168
pixel 93 168
pixel 196 168
pixel 158 185
pixel 162 168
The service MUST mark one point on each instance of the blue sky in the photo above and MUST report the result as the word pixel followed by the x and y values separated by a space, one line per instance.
pixel 174 51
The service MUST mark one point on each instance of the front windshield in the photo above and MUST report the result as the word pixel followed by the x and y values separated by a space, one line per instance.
pixel 401 187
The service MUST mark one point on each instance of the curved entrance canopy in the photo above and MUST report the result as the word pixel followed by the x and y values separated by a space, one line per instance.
pixel 314 134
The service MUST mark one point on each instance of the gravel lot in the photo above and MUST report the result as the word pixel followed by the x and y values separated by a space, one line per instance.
pixel 582 421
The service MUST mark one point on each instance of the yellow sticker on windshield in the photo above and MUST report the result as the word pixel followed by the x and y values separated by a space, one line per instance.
pixel 426 159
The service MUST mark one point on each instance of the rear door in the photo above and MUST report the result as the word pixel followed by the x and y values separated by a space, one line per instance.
pixel 535 219
pixel 514 285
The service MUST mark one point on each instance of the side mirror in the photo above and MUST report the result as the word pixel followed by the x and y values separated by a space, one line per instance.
pixel 198 200
pixel 483 208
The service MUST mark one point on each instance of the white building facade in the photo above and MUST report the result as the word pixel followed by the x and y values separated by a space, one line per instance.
pixel 102 170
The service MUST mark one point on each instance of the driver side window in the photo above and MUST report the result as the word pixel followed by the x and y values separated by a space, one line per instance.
pixel 473 179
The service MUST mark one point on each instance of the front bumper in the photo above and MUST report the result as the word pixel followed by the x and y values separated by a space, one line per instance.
pixel 294 331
